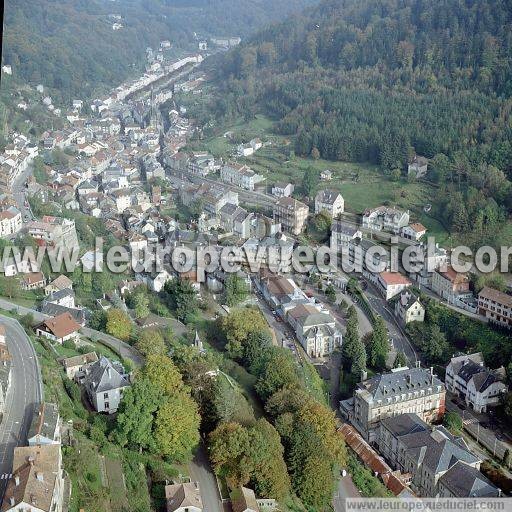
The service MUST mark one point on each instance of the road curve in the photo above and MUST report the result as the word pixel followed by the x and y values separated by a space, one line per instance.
pixel 200 469
pixel 25 393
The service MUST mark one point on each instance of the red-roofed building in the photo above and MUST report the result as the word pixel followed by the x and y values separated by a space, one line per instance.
pixel 450 284
pixel 392 283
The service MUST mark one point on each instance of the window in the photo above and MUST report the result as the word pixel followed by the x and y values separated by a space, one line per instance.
pixel 107 405
pixel 105 395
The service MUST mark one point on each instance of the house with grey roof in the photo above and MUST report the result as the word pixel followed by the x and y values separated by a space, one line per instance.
pixel 64 297
pixel 45 426
pixel 435 462
pixel 104 384
pixel 479 386
pixel 184 497
pixel 330 201
pixel 403 390
pixel 316 329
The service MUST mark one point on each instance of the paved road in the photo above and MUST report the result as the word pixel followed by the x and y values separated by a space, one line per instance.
pixel 200 471
pixel 24 395
pixel 19 194
pixel 400 341
pixel 123 349
pixel 199 467
pixel 346 489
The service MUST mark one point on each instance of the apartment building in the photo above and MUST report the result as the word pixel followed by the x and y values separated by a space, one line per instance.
pixel 433 461
pixel 385 218
pixel 495 306
pixel 329 201
pixel 449 284
pixel 10 222
pixel 392 283
pixel 291 214
pixel 343 235
pixel 403 390
pixel 480 387
pixel 240 175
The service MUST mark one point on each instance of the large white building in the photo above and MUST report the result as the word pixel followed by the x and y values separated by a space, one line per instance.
pixel 404 390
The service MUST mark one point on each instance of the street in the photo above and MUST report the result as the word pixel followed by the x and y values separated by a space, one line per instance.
pixel 200 471
pixel 401 342
pixel 24 395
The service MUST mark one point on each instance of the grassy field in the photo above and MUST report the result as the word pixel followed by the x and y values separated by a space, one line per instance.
pixel 362 185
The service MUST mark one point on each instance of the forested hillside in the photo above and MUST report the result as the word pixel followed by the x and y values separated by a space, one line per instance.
pixel 70 47
pixel 376 80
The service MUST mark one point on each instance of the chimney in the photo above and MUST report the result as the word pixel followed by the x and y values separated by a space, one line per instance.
pixel 17 480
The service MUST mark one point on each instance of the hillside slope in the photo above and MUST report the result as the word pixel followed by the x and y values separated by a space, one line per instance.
pixel 70 47
pixel 377 80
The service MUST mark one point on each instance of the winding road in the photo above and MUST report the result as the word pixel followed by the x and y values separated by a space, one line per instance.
pixel 25 393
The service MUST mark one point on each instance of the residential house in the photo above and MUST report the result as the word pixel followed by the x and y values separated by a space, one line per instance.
pixel 329 201
pixel 385 218
pixel 417 167
pixel 104 384
pixel 480 387
pixel 52 309
pixel 10 222
pixel 496 306
pixel 37 480
pixel 315 329
pixel 240 175
pixel 291 214
pixel 75 366
pixel 60 328
pixel 413 231
pixel 400 391
pixel 449 283
pixel 59 283
pixel 45 426
pixel 408 308
pixel 392 283
pixel 282 189
pixel 65 297
pixel 33 281
pixel 437 463
pixel 183 497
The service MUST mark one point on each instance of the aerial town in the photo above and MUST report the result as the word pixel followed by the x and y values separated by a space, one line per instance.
pixel 398 358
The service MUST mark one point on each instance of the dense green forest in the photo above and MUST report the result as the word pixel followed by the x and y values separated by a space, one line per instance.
pixel 377 80
pixel 69 45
